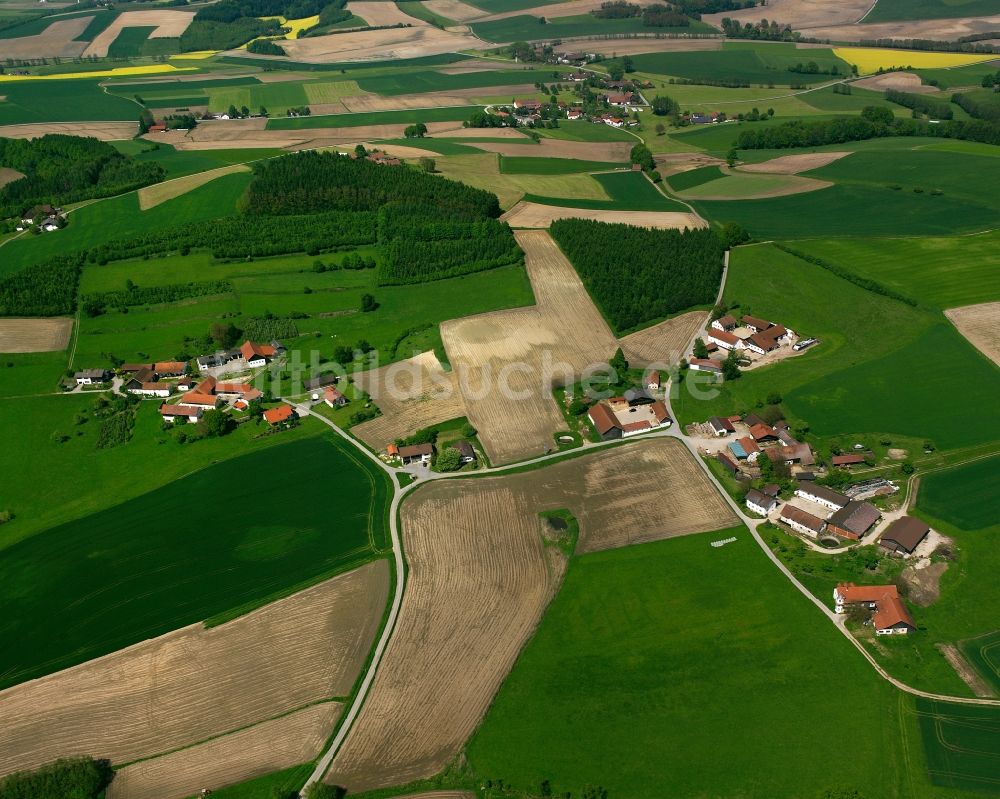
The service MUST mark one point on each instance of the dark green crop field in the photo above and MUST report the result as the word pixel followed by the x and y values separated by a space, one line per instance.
pixel 404 117
pixel 432 81
pixel 228 537
pixel 629 191
pixel 526 165
pixel 129 43
pixel 965 496
pixel 694 177
pixel 962 745
pixel 892 10
pixel 527 27
pixel 62 101
pixel 983 652
pixel 663 668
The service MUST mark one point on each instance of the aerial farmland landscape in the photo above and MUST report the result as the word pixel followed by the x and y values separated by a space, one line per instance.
pixel 500 399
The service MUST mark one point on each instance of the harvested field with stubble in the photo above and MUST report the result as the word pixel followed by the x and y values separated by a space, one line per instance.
pixel 270 746
pixel 980 324
pixel 571 8
pixel 663 343
pixel 8 175
pixel 506 360
pixel 536 215
pixel 793 164
pixel 901 81
pixel 151 196
pixel 454 9
pixel 105 131
pixel 414 42
pixel 58 40
pixel 411 394
pixel 378 13
pixel 196 683
pixel 480 579
pixel 801 14
pixel 167 22
pixel 35 335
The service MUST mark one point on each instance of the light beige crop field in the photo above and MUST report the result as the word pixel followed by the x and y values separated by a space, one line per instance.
pixel 663 343
pixel 379 45
pixel 35 335
pixel 377 13
pixel 980 324
pixel 800 14
pixel 411 394
pixel 8 175
pixel 267 747
pixel 523 349
pixel 105 131
pixel 937 29
pixel 58 40
pixel 454 9
pixel 568 9
pixel 610 151
pixel 901 81
pixel 195 683
pixel 536 215
pixel 168 23
pixel 374 102
pixel 151 196
pixel 793 164
pixel 479 581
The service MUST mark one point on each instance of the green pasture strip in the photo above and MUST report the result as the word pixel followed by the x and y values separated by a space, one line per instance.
pixel 431 81
pixel 629 191
pixel 945 272
pixel 527 27
pixel 129 42
pixel 62 101
pixel 501 6
pixel 955 77
pixel 439 146
pixel 525 165
pixel 965 496
pixel 284 783
pixel 117 217
pixel 828 101
pixel 585 131
pixel 402 117
pixel 754 62
pixel 870 345
pixel 961 744
pixel 418 10
pixel 901 10
pixel 344 66
pixel 105 587
pixel 176 102
pixel 100 23
pixel 634 664
pixel 38 25
pixel 174 87
pixel 694 177
pixel 983 652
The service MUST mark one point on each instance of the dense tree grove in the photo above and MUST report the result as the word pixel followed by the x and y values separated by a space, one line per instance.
pixel 230 10
pixel 637 275
pixel 920 104
pixel 265 47
pixel 206 34
pixel 311 181
pixel 46 289
pixel 414 261
pixel 76 778
pixel 836 131
pixel 654 16
pixel 62 169
pixel 95 304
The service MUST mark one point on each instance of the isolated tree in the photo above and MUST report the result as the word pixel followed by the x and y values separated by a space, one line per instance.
pixel 368 303
pixel 231 112
pixel 262 111
pixel 731 366
pixel 428 164
pixel 643 156
pixel 619 364
pixel 700 349
pixel 664 106
pixel 660 128
pixel 468 431
pixel 733 234
pixel 416 131
pixel 877 114
pixel 215 423
pixel 360 151
pixel 449 460
pixel 732 157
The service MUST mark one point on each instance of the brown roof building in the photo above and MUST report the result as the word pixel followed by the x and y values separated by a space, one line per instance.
pixel 801 520
pixel 854 519
pixel 604 422
pixel 904 535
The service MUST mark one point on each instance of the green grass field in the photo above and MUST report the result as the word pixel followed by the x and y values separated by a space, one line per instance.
pixel 418 10
pixel 499 6
pixel 525 165
pixel 439 146
pixel 403 117
pixel 983 652
pixel 121 216
pixel 694 177
pixel 676 666
pixel 585 131
pixel 287 782
pixel 892 10
pixel 129 43
pixel 962 745
pixel 525 27
pixel 400 83
pixel 219 539
pixel 742 185
pixel 177 163
pixel 33 27
pixel 943 272
pixel 629 191
pixel 966 496
pixel 62 101
pixel 756 62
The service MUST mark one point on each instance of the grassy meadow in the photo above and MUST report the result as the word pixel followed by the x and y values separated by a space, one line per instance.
pixel 219 539
pixel 62 101
pixel 652 656
pixel 893 10
pixel 525 27
pixel 627 191
pixel 961 745
pixel 408 116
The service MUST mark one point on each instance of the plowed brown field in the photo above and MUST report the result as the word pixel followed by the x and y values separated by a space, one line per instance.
pixel 380 45
pixel 195 683
pixel 411 394
pixel 479 581
pixel 267 747
pixel 980 324
pixel 58 40
pixel 35 335
pixel 507 361
pixel 105 131
pixel 664 343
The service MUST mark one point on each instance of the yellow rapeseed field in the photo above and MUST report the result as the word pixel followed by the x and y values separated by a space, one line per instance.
pixel 117 72
pixel 296 25
pixel 871 59
pixel 199 55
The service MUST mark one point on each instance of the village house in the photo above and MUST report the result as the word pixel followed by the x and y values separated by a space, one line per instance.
pixel 725 323
pixel 322 381
pixel 802 521
pixel 891 616
pixel 466 450
pixel 749 447
pixel 756 325
pixel 853 520
pixel 638 396
pixel 724 340
pixel 619 100
pixel 721 427
pixel 416 453
pixel 604 421
pixel 800 454
pixel 334 398
pixel 259 354
pixel 205 362
pixel 280 415
pixel 170 368
pixel 40 213
pixel 88 377
pixel 202 395
pixel 186 383
pixel 904 535
pixel 822 495
pixel 243 391
pixel 142 389
pixel 574 114
pixel 772 490
pixel 172 413
pixel 759 502
pixel 705 365
pixel 530 105
pixel 763 434
pixel 135 368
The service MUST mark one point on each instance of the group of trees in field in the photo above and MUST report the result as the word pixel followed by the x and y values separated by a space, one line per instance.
pixel 62 169
pixel 97 303
pixel 265 47
pixel 772 31
pixel 657 15
pixel 269 326
pixel 637 275
pixel 46 289
pixel 209 34
pixel 987 111
pixel 874 122
pixel 74 778
pixel 920 104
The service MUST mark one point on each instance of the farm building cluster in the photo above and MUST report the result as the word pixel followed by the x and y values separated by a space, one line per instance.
pixel 890 616
pixel 636 411
pixel 754 340
pixel 43 219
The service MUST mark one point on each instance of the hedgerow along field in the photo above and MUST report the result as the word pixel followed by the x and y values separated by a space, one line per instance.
pixel 637 663
pixel 961 743
pixel 221 540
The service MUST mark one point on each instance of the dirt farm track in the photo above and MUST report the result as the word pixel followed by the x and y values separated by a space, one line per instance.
pixel 479 580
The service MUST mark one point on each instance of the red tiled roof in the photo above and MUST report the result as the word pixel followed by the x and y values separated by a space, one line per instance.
pixel 391 450
pixel 631 427
pixel 850 592
pixel 170 367
pixel 806 519
pixel 723 335
pixel 707 363
pixel 760 431
pixel 848 459
pixel 748 444
pixel 178 410
pixel 156 386
pixel 332 394
pixel 659 410
pixel 251 350
pixel 196 398
pixel 891 612
pixel 280 414
pixel 602 417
